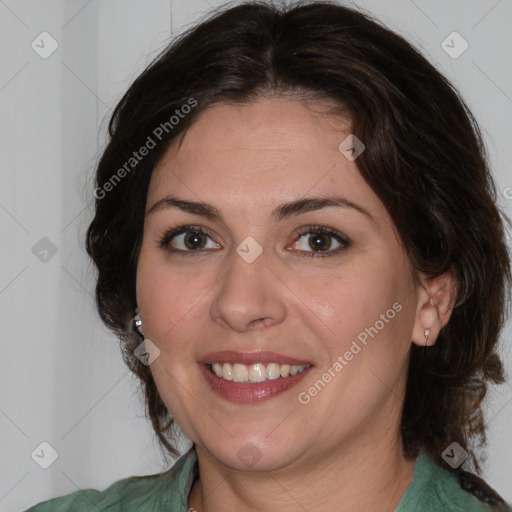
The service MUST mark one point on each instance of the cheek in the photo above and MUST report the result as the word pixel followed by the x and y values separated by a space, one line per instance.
pixel 369 307
pixel 345 302
pixel 164 298
pixel 174 307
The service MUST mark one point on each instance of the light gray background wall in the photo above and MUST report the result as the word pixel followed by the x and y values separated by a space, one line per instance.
pixel 62 378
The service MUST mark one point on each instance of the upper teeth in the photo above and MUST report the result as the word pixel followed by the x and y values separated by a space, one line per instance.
pixel 255 372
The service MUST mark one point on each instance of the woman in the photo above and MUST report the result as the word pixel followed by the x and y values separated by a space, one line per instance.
pixel 296 207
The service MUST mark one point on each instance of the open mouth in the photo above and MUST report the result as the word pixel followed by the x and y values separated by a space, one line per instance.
pixel 254 373
pixel 252 377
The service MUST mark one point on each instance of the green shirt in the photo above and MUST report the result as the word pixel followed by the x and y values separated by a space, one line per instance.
pixel 433 489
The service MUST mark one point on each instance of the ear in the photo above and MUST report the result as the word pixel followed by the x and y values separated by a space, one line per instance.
pixel 436 299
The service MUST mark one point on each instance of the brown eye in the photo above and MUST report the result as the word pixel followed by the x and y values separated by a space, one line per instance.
pixel 187 239
pixel 194 240
pixel 318 241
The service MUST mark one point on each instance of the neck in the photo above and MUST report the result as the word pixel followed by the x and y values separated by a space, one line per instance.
pixel 373 478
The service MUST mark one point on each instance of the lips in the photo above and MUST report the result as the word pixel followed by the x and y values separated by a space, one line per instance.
pixel 253 391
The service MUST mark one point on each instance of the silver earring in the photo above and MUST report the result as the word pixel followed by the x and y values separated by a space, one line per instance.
pixel 138 321
pixel 427 331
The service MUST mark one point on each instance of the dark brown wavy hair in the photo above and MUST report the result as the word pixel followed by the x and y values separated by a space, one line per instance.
pixel 424 159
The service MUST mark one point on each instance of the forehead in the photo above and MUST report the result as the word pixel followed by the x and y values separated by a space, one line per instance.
pixel 260 154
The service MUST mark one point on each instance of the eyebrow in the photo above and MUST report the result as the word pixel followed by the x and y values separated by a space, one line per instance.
pixel 284 211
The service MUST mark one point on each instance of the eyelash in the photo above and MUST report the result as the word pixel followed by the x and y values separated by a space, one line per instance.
pixel 165 240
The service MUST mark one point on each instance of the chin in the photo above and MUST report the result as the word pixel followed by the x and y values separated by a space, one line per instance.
pixel 255 453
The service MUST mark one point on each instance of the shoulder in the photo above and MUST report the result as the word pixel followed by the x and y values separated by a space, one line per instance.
pixel 436 489
pixel 121 495
pixel 151 492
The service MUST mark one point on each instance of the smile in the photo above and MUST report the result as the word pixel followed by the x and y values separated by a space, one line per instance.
pixel 255 373
pixel 252 377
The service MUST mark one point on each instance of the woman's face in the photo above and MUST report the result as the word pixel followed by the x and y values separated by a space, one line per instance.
pixel 249 289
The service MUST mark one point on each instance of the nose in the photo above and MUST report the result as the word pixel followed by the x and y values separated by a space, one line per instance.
pixel 249 296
